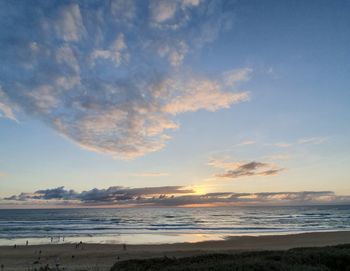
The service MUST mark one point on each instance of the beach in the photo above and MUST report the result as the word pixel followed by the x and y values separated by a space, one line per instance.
pixel 89 256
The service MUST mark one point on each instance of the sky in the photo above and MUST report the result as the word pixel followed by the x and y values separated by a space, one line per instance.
pixel 174 103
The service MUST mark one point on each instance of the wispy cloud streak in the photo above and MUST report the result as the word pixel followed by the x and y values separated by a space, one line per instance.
pixel 150 174
pixel 302 141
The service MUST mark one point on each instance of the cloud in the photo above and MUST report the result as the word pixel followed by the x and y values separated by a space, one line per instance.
pixel 312 140
pixel 69 24
pixel 235 170
pixel 174 53
pixel 275 198
pixel 170 196
pixel 302 141
pixel 107 75
pixel 123 10
pixel 6 110
pixel 190 2
pixel 111 194
pixel 278 156
pixel 283 144
pixel 58 193
pixel 236 76
pixel 162 10
pixel 202 94
pixel 223 164
pixel 245 143
pixel 151 174
pixel 116 52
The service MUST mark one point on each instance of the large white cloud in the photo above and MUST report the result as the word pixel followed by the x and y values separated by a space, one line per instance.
pixel 107 75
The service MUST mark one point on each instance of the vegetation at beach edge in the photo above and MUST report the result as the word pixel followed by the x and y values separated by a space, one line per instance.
pixel 329 258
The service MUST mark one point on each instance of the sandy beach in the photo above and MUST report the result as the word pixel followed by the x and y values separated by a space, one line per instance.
pixel 103 256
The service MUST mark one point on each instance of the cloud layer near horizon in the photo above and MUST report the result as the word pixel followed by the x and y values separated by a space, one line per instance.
pixel 109 75
pixel 167 196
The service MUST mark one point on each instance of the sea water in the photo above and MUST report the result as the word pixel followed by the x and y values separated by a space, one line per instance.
pixel 164 225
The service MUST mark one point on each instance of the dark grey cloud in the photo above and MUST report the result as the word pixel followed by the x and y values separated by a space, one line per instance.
pixel 170 196
pixel 247 169
pixel 59 193
pixel 109 195
pixel 117 194
pixel 56 193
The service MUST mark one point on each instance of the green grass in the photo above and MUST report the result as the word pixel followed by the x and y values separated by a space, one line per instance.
pixel 299 259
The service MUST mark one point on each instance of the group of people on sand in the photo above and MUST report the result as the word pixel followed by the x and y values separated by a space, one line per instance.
pixel 15 245
pixel 57 239
pixel 53 239
pixel 79 245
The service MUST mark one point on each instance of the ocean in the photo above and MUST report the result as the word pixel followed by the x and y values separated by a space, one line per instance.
pixel 164 225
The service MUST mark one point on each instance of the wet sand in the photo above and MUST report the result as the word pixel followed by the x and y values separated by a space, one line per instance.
pixel 102 256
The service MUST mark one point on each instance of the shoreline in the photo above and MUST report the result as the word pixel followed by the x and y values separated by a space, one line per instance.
pixel 90 255
pixel 156 238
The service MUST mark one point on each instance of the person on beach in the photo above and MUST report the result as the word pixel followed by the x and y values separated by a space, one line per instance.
pixel 57 262
pixel 27 243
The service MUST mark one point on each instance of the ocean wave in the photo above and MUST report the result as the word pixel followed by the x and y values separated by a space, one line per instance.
pixel 86 222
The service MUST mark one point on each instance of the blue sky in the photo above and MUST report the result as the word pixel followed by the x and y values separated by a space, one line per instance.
pixel 212 96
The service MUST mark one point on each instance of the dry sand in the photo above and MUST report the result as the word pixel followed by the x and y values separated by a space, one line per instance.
pixel 102 256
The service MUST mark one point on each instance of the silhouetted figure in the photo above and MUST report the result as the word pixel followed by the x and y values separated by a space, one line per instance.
pixel 57 262
pixel 124 247
pixel 27 243
pixel 15 246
